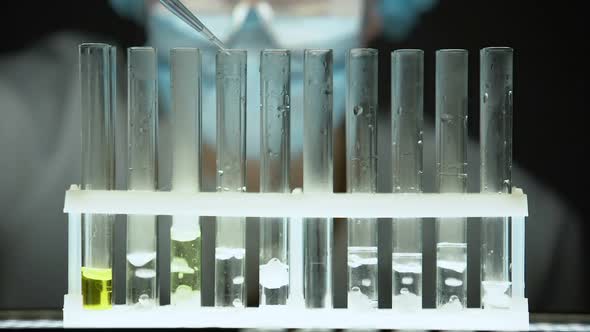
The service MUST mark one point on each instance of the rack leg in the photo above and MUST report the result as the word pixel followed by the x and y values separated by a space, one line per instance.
pixel 74 254
pixel 518 244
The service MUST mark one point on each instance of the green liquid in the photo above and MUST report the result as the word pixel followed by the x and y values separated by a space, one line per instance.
pixel 185 267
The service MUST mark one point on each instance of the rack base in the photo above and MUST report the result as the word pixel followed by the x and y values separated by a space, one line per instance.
pixel 169 316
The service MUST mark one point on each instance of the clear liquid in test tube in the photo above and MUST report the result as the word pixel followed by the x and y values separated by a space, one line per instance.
pixel 317 175
pixel 361 174
pixel 98 87
pixel 142 102
pixel 230 241
pixel 185 234
pixel 496 171
pixel 451 175
pixel 407 93
pixel 275 69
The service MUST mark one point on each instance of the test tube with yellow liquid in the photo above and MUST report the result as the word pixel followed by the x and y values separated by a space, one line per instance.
pixel 98 85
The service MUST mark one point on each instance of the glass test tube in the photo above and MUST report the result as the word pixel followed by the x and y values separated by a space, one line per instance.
pixel 317 175
pixel 407 92
pixel 142 129
pixel 451 175
pixel 230 246
pixel 361 173
pixel 98 87
pixel 185 234
pixel 275 70
pixel 496 171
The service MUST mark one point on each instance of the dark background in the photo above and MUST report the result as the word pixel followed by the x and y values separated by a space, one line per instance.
pixel 548 38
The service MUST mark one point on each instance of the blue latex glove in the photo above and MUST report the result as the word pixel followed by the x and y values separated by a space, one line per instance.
pixel 400 16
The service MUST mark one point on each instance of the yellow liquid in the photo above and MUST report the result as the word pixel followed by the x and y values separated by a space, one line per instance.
pixel 97 288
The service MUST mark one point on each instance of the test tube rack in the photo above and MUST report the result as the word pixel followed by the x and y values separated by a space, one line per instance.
pixel 297 205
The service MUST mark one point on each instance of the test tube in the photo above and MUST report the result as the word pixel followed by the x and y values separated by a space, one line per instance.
pixel 317 175
pixel 361 173
pixel 496 171
pixel 185 234
pixel 230 246
pixel 275 69
pixel 451 175
pixel 142 104
pixel 98 88
pixel 407 93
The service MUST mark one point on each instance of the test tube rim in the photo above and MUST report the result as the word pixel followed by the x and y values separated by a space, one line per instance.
pixel 452 50
pixel 407 50
pixel 184 49
pixel 317 51
pixel 497 49
pixel 275 50
pixel 362 51
pixel 141 48
pixel 94 45
pixel 231 51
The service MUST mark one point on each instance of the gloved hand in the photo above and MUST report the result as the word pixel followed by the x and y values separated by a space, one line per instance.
pixel 400 16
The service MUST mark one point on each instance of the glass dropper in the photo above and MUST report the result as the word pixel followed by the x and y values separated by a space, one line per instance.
pixel 177 8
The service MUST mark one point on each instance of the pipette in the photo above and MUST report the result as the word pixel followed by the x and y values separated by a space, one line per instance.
pixel 177 8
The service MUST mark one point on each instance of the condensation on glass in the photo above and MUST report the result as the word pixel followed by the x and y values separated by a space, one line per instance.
pixel 275 87
pixel 142 106
pixel 98 87
pixel 185 234
pixel 317 175
pixel 407 91
pixel 230 241
pixel 451 175
pixel 361 173
pixel 496 95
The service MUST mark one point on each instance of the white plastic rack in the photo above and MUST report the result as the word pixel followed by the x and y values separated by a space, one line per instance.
pixel 297 205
